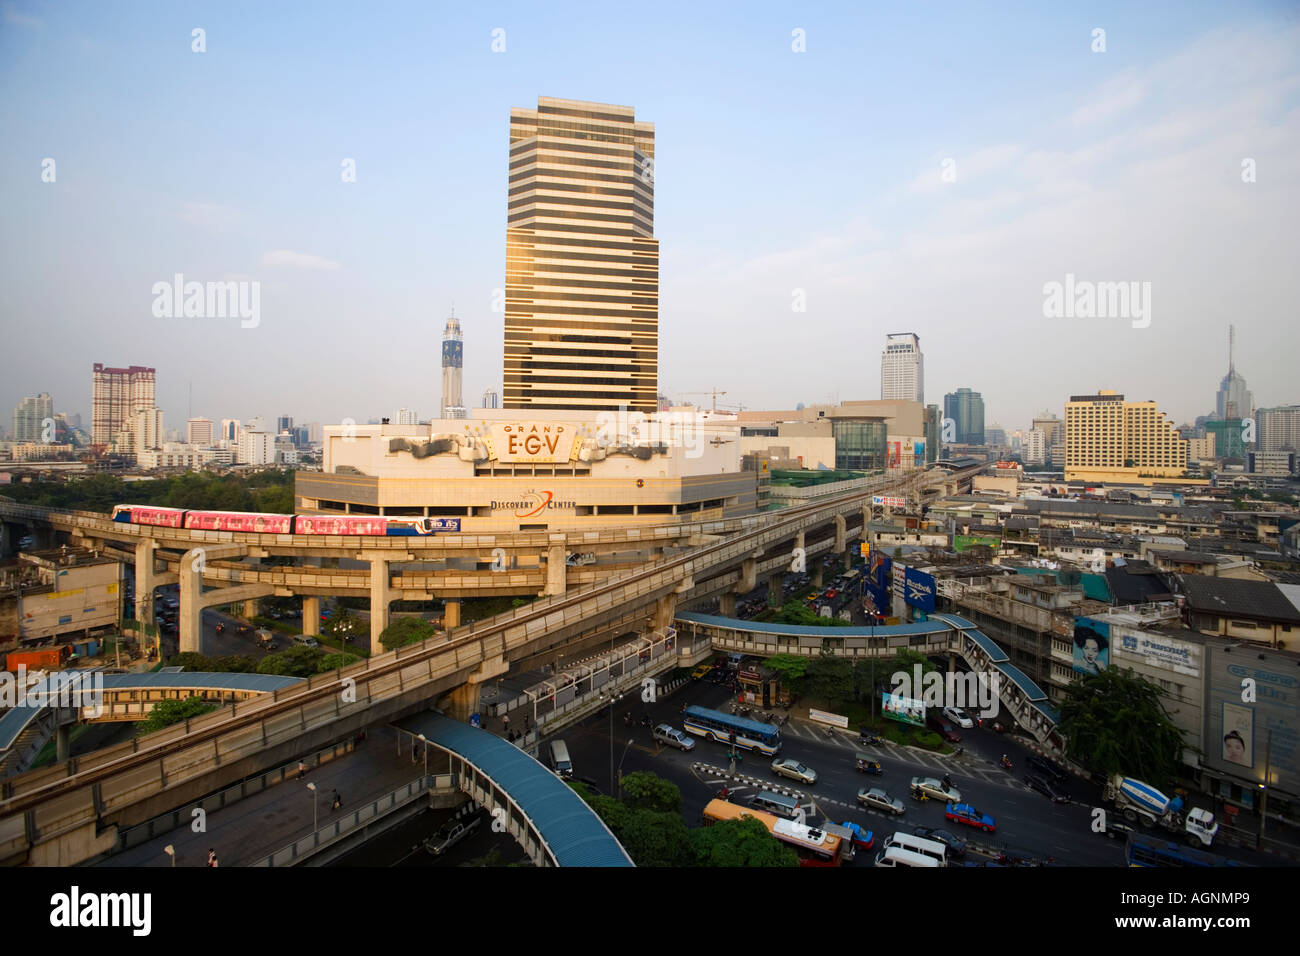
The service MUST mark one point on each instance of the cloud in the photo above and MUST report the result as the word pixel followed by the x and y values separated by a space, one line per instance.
pixel 10 14
pixel 284 259
pixel 1120 95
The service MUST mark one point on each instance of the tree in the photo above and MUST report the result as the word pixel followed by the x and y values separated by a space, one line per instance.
pixel 191 662
pixel 739 843
pixel 1114 722
pixel 830 679
pixel 333 662
pixel 650 837
pixel 168 712
pixel 647 791
pixel 295 662
pixel 789 670
pixel 405 630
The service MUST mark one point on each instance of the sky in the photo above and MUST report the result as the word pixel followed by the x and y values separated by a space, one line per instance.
pixel 928 169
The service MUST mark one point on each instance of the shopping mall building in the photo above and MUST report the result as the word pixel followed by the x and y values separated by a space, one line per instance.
pixel 557 470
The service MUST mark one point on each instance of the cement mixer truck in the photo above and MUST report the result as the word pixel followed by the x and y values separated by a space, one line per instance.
pixel 1139 801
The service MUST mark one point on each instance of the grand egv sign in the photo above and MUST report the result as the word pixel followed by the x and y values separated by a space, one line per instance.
pixel 543 442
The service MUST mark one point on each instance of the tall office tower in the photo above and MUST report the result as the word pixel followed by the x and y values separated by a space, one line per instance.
pixel 116 395
pixel 1035 447
pixel 147 430
pixel 198 431
pixel 453 361
pixel 491 399
pixel 995 435
pixel 230 429
pixel 1109 438
pixel 933 433
pixel 966 409
pixel 582 262
pixel 284 424
pixel 30 417
pixel 1053 430
pixel 406 416
pixel 1278 429
pixel 902 372
pixel 1233 399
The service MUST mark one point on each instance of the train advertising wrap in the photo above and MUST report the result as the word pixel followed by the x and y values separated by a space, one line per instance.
pixel 341 525
pixel 238 521
pixel 444 524
pixel 163 517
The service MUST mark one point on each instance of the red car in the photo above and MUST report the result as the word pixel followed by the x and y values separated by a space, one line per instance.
pixel 965 813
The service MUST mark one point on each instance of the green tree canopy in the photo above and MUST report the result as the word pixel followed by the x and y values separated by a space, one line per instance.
pixel 168 712
pixel 405 630
pixel 295 662
pixel 1114 722
pixel 789 669
pixel 648 791
pixel 739 843
pixel 651 837
pixel 336 661
pixel 830 678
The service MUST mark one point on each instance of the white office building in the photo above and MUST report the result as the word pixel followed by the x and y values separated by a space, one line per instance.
pixel 902 373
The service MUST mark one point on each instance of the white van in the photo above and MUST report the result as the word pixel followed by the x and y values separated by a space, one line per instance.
pixel 896 856
pixel 560 761
pixel 916 844
pixel 777 803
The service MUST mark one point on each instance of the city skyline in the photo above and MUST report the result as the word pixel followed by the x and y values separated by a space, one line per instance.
pixel 869 241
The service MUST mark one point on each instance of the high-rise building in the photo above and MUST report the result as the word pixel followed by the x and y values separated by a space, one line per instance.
pixel 406 416
pixel 1233 399
pixel 230 428
pixel 1229 437
pixel 116 396
pixel 30 417
pixel 902 373
pixel 1200 449
pixel 995 435
pixel 453 360
pixel 1034 447
pixel 1053 430
pixel 933 433
pixel 582 262
pixel 256 448
pixel 1107 438
pixel 198 431
pixel 966 409
pixel 491 399
pixel 284 424
pixel 146 428
pixel 1278 429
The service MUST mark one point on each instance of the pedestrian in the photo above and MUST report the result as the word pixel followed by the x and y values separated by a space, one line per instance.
pixel 302 770
pixel 505 723
pixel 338 801
pixel 212 856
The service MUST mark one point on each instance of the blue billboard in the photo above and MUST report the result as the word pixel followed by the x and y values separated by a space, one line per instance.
pixel 876 585
pixel 1091 646
pixel 920 590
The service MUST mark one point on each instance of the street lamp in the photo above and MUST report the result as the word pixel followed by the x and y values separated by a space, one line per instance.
pixel 426 754
pixel 171 852
pixel 314 812
pixel 630 742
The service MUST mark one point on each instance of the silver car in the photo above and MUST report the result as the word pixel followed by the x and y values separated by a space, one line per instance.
pixel 789 767
pixel 935 790
pixel 877 799
pixel 673 737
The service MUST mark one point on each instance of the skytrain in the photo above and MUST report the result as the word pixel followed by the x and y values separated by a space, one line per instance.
pixel 281 524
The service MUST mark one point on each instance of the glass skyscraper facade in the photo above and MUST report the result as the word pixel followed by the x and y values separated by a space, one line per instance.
pixel 966 409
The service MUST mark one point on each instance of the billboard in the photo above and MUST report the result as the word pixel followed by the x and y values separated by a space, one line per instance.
pixel 920 590
pixel 536 442
pixel 444 524
pixel 875 585
pixel 961 542
pixel 905 710
pixel 1252 717
pixel 1157 650
pixel 1091 646
pixel 889 501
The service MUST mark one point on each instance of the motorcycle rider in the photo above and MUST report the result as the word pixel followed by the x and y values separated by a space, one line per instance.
pixel 947 781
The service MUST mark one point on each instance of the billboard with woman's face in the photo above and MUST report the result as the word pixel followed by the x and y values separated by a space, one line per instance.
pixel 1091 646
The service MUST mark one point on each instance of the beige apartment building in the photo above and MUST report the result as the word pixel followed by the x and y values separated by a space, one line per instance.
pixel 582 262
pixel 117 396
pixel 1109 439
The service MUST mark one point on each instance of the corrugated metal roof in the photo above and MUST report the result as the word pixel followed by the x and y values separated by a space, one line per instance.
pixel 572 831
pixel 808 630
pixel 1261 600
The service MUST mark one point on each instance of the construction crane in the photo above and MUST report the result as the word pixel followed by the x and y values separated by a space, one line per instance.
pixel 715 393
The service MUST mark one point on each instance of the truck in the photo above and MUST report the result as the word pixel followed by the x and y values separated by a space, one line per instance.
pixel 1141 802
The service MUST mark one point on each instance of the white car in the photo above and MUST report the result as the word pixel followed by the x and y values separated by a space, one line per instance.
pixel 958 717
pixel 789 767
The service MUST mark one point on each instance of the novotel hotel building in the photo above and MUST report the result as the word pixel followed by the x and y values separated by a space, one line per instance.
pixel 511 470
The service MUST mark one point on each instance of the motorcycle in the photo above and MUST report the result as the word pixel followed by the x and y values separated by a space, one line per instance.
pixel 865 738
pixel 646 721
pixel 1006 762
pixel 723 794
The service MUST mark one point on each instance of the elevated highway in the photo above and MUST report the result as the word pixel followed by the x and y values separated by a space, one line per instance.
pixel 70 812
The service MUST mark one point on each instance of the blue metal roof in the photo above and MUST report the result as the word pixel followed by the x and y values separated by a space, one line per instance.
pixel 995 654
pixel 1022 680
pixel 572 831
pixel 807 630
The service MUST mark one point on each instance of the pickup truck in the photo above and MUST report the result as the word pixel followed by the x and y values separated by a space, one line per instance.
pixel 673 737
pixel 451 833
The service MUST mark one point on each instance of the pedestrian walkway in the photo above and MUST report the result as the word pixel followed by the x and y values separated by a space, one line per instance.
pixel 258 825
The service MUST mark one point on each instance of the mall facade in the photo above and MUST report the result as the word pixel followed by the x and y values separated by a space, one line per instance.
pixel 559 470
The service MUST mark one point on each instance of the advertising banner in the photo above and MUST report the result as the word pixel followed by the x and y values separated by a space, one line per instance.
pixel 1091 646
pixel 905 710
pixel 920 590
pixel 1157 650
pixel 538 442
pixel 961 542
pixel 875 584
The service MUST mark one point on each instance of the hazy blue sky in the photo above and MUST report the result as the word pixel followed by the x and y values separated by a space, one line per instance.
pixel 776 171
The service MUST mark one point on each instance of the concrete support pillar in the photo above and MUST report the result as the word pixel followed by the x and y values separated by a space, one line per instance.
pixel 464 700
pixel 817 574
pixel 381 596
pixel 311 615
pixel 451 613
pixel 8 540
pixel 748 576
pixel 555 566
pixel 840 526
pixel 63 742
pixel 776 590
pixel 250 609
pixel 144 581
pixel 191 616
pixel 727 604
